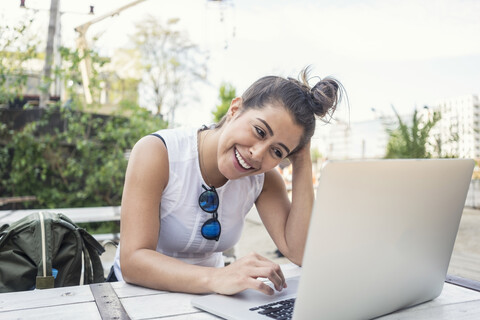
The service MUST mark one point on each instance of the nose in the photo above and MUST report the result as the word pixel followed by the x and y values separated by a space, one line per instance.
pixel 257 151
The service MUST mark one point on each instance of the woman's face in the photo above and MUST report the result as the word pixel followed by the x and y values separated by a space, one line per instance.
pixel 256 140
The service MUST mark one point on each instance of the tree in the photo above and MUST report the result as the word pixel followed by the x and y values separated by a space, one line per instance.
pixel 47 69
pixel 170 62
pixel 226 94
pixel 18 47
pixel 452 140
pixel 410 142
pixel 69 73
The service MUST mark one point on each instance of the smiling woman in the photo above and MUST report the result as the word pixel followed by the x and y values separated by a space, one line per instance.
pixel 187 191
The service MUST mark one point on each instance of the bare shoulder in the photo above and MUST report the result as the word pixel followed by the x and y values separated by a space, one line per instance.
pixel 148 150
pixel 149 143
pixel 148 164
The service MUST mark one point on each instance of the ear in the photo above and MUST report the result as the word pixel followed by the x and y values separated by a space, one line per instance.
pixel 235 107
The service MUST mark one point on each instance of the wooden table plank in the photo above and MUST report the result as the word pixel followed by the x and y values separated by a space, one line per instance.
pixel 74 311
pixel 452 297
pixel 125 290
pixel 192 316
pixel 23 300
pixel 159 305
pixel 451 294
pixel 459 311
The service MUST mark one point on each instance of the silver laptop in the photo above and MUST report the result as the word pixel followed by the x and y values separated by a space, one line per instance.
pixel 380 239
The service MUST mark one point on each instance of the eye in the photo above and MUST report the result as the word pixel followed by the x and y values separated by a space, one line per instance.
pixel 278 153
pixel 260 132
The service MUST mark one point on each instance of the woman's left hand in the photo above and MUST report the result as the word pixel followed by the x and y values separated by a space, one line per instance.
pixel 301 155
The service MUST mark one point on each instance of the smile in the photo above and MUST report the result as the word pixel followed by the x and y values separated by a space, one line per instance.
pixel 241 161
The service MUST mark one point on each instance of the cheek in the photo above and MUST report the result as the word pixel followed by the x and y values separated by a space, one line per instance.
pixel 225 160
pixel 269 163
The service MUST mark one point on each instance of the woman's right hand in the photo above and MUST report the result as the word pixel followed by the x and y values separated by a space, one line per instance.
pixel 244 273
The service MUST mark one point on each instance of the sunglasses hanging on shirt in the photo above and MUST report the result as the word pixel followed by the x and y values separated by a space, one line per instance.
pixel 208 202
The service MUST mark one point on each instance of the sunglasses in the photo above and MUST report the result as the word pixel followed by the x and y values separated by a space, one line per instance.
pixel 208 202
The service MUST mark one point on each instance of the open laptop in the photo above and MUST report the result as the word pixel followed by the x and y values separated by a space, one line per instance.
pixel 380 239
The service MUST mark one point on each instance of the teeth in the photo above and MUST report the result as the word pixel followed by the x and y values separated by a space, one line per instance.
pixel 241 161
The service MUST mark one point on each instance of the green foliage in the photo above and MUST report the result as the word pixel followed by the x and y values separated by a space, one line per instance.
pixel 17 48
pixel 226 94
pixel 101 227
pixel 70 74
pixel 315 154
pixel 71 158
pixel 411 142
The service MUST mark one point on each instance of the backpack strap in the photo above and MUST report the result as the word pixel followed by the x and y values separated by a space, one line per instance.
pixel 93 268
pixel 91 252
pixel 45 279
pixel 5 233
pixel 3 228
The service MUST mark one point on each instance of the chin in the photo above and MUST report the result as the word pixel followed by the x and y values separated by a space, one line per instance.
pixel 228 173
pixel 234 174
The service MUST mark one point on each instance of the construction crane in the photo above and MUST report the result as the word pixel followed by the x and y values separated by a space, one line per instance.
pixel 82 45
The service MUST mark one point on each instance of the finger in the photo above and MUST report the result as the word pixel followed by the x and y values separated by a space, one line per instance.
pixel 265 263
pixel 271 274
pixel 262 262
pixel 260 286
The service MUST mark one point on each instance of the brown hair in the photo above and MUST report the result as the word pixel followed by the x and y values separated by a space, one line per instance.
pixel 304 103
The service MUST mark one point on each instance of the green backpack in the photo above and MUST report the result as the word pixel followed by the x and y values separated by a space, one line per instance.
pixel 44 250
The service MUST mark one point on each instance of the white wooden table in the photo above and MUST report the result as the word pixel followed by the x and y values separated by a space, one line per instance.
pixel 79 302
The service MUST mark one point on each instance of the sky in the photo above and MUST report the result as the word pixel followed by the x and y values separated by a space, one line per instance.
pixel 405 53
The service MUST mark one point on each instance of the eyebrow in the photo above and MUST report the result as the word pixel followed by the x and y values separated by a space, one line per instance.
pixel 270 131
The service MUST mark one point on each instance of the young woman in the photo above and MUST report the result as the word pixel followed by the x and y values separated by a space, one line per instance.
pixel 187 192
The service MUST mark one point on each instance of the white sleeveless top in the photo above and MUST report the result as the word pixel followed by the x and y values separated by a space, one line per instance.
pixel 182 218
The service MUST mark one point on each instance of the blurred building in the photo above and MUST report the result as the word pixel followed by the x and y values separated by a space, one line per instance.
pixel 355 140
pixel 459 128
pixel 457 134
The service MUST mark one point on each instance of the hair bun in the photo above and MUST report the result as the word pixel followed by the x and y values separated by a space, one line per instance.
pixel 325 96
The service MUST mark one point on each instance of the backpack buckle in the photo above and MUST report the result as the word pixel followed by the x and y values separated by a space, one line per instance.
pixel 47 282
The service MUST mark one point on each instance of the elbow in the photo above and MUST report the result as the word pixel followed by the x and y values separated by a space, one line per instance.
pixel 127 274
pixel 295 256
pixel 296 260
pixel 128 266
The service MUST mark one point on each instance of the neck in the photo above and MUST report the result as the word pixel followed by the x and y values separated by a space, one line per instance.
pixel 207 154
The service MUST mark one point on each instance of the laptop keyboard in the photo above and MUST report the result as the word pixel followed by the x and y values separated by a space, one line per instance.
pixel 280 310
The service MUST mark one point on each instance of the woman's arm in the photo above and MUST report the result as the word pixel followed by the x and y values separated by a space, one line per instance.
pixel 146 178
pixel 287 223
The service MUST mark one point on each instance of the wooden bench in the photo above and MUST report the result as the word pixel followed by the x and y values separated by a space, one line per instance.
pixel 78 215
